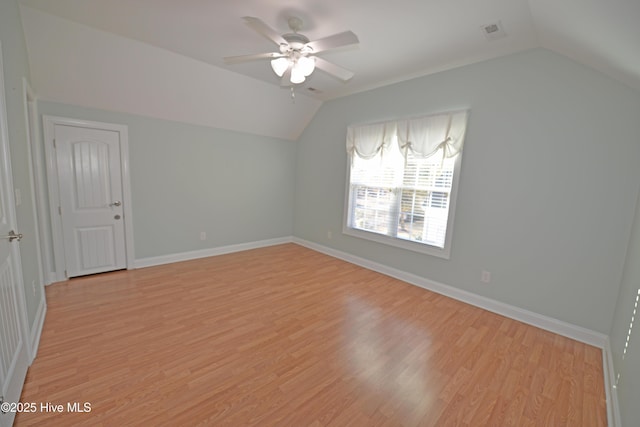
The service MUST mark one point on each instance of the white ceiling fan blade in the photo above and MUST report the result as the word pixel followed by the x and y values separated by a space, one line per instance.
pixel 253 57
pixel 346 38
pixel 265 30
pixel 333 69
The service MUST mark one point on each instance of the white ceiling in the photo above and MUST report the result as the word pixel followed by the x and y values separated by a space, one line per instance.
pixel 399 39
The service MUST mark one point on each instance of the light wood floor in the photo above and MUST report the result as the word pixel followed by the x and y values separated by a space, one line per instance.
pixel 284 336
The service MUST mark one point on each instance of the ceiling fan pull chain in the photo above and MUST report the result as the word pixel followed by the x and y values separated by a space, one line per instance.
pixel 293 95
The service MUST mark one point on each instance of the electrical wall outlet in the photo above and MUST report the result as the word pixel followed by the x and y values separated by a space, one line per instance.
pixel 485 276
pixel 203 235
pixel 329 235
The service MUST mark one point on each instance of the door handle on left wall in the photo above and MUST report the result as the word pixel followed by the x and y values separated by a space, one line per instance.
pixel 13 236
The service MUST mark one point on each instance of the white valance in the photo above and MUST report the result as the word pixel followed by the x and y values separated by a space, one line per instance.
pixel 366 141
pixel 424 136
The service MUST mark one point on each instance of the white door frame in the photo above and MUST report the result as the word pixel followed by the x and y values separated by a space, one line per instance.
pixel 49 123
pixel 7 192
pixel 35 173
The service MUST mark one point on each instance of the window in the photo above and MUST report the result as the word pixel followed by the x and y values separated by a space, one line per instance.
pixel 402 181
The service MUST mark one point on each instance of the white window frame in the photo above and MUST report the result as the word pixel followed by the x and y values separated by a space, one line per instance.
pixel 424 248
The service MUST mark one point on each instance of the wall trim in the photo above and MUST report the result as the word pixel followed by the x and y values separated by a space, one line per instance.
pixel 38 324
pixel 611 393
pixel 559 327
pixel 204 253
pixel 53 278
pixel 35 174
pixel 551 324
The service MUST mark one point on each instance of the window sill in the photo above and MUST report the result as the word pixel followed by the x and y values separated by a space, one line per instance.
pixel 399 243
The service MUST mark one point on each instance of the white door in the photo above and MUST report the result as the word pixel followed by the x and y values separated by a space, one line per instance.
pixel 91 199
pixel 14 359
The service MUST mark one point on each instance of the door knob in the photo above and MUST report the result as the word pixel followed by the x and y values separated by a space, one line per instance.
pixel 13 236
pixel 116 203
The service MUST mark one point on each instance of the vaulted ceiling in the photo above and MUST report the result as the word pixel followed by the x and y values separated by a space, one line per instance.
pixel 184 43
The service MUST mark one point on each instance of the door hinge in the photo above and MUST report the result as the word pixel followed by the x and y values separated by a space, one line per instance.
pixel 59 210
pixel 54 143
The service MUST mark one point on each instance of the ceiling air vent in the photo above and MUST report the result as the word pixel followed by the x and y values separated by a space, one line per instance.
pixel 493 31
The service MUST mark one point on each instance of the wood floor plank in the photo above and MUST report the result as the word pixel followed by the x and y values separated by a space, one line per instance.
pixel 285 336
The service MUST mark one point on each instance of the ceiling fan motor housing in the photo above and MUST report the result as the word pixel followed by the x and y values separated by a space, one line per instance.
pixel 296 41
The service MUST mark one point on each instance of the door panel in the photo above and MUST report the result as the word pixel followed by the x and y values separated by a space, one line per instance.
pixel 14 353
pixel 13 357
pixel 90 163
pixel 96 247
pixel 89 176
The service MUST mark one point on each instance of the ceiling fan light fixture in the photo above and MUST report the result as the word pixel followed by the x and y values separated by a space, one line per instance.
pixel 297 76
pixel 306 65
pixel 280 66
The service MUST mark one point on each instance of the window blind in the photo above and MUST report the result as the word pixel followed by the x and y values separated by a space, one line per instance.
pixel 401 177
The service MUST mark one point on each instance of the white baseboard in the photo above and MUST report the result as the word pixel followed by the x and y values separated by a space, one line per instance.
pixel 53 278
pixel 613 407
pixel 559 327
pixel 36 330
pixel 204 253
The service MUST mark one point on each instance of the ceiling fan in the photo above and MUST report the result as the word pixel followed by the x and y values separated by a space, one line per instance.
pixel 296 57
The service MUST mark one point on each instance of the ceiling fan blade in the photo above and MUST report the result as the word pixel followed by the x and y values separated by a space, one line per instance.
pixel 346 38
pixel 260 27
pixel 333 69
pixel 253 57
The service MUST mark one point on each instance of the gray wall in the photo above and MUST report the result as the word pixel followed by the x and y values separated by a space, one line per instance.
pixel 546 203
pixel 16 67
pixel 628 368
pixel 547 190
pixel 186 179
